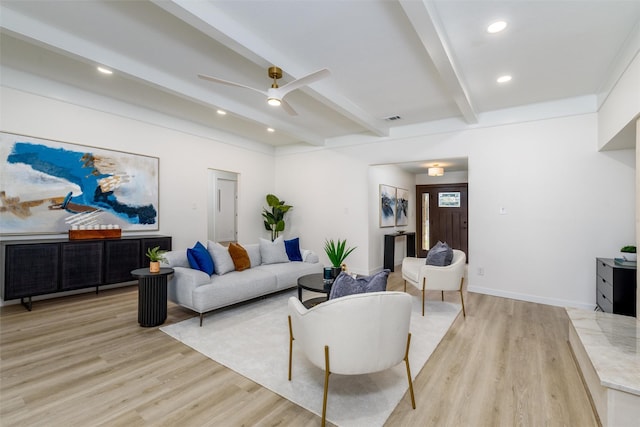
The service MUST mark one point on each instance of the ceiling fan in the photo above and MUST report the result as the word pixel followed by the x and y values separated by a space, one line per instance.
pixel 275 94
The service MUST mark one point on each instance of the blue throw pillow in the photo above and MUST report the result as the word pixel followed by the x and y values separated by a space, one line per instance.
pixel 200 259
pixel 345 285
pixel 293 249
pixel 439 255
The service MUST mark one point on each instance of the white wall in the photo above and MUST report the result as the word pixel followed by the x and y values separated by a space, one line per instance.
pixel 184 160
pixel 620 110
pixel 456 177
pixel 566 202
pixel 395 177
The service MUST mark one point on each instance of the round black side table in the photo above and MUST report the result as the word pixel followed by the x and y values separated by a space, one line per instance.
pixel 152 296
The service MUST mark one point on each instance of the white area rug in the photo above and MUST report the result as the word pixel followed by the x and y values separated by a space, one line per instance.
pixel 253 340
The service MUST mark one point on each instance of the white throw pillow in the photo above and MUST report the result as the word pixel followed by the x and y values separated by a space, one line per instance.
pixel 222 261
pixel 273 252
pixel 253 249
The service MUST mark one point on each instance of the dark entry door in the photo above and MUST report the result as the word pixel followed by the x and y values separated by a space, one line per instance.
pixel 442 215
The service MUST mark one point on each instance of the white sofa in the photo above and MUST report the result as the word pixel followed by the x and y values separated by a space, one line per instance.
pixel 197 291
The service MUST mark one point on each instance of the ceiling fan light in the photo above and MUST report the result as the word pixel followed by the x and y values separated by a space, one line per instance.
pixel 274 102
pixel 435 171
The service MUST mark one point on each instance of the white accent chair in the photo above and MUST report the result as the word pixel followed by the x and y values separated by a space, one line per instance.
pixel 352 335
pixel 429 277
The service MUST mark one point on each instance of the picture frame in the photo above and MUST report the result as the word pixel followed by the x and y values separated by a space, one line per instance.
pixel 50 187
pixel 387 204
pixel 402 207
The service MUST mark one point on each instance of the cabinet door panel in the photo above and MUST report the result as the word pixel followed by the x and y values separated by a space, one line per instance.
pixel 81 265
pixel 30 270
pixel 122 256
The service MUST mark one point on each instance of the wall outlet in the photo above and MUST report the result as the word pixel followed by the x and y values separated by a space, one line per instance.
pixel 480 271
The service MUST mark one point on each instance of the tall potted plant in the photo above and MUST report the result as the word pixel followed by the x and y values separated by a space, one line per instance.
pixel 274 217
pixel 337 252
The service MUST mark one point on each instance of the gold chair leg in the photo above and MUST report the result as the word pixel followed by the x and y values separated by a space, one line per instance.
pixel 290 346
pixel 462 298
pixel 327 371
pixel 406 361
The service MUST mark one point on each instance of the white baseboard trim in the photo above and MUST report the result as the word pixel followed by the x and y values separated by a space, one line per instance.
pixel 531 298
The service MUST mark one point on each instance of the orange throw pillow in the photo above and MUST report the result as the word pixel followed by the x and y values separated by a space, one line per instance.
pixel 239 256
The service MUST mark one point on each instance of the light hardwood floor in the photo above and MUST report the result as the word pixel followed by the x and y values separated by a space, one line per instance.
pixel 84 361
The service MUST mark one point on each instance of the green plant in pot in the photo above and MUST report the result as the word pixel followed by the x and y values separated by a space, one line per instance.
pixel 629 253
pixel 155 255
pixel 274 218
pixel 337 252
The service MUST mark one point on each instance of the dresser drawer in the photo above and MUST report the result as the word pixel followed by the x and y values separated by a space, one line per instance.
pixel 605 271
pixel 604 303
pixel 605 288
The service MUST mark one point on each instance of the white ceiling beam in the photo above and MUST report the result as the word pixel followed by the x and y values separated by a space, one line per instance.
pixel 80 49
pixel 212 21
pixel 427 25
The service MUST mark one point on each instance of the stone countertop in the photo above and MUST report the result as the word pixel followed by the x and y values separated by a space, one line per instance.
pixel 612 342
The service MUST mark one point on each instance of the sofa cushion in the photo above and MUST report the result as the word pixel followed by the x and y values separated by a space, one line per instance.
pixel 222 261
pixel 239 256
pixel 253 250
pixel 292 247
pixel 439 255
pixel 273 252
pixel 200 259
pixel 345 284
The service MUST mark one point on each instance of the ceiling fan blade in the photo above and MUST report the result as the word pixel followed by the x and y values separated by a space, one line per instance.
pixel 303 81
pixel 287 107
pixel 228 83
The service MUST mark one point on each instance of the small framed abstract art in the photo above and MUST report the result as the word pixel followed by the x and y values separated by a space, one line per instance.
pixel 402 207
pixel 50 187
pixel 387 205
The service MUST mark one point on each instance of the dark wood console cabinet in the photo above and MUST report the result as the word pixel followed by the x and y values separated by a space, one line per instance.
pixel 390 247
pixel 38 267
pixel 615 287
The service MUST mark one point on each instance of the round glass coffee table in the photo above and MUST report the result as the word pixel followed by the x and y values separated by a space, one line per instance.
pixel 313 283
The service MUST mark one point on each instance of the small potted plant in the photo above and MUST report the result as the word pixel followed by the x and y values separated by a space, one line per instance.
pixel 155 255
pixel 337 252
pixel 629 253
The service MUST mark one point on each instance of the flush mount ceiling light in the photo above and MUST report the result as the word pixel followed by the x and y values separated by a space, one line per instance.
pixel 221 112
pixel 496 27
pixel 504 79
pixel 435 171
pixel 104 70
pixel 271 130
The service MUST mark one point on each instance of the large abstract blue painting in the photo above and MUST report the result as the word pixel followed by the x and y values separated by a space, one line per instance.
pixel 50 186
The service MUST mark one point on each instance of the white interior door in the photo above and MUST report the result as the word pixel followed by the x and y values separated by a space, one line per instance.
pixel 223 207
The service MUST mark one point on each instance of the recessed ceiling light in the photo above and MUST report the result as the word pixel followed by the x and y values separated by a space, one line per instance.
pixel 496 27
pixel 271 130
pixel 221 112
pixel 504 79
pixel 105 70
